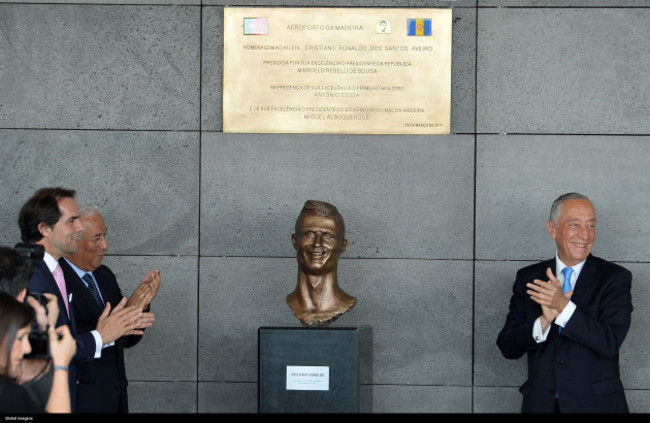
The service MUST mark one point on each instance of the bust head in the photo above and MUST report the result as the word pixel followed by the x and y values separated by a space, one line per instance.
pixel 319 240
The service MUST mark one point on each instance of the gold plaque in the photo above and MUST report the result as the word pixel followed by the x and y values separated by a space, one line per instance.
pixel 337 70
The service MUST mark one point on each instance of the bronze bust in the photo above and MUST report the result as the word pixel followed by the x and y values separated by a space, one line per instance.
pixel 319 240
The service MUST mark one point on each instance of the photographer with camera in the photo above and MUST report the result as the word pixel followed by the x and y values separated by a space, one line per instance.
pixel 16 267
pixel 39 383
pixel 15 272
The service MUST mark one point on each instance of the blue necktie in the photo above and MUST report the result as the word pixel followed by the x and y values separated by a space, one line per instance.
pixel 566 285
pixel 93 289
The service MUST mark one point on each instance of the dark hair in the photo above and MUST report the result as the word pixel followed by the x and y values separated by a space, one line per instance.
pixel 14 316
pixel 324 209
pixel 15 271
pixel 43 206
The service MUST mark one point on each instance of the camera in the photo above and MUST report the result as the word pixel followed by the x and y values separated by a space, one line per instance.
pixel 38 338
pixel 31 252
pixel 40 298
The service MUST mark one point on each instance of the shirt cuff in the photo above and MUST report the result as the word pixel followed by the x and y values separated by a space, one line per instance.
pixel 98 343
pixel 538 334
pixel 563 318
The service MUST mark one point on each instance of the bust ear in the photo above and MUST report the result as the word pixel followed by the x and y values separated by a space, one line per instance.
pixel 294 241
pixel 344 245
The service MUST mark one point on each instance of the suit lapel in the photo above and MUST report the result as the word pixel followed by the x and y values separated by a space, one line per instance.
pixel 110 291
pixel 81 294
pixel 63 319
pixel 586 283
pixel 47 275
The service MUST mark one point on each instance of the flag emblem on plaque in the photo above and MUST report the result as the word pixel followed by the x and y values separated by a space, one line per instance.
pixel 256 26
pixel 420 27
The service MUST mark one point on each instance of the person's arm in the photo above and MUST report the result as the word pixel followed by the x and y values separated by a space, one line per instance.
pixel 603 328
pixel 554 303
pixel 122 321
pixel 516 336
pixel 541 329
pixel 146 291
pixel 62 351
pixel 142 298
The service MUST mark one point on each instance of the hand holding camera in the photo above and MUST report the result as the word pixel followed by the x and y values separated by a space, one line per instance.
pixel 46 312
pixel 62 345
pixel 46 309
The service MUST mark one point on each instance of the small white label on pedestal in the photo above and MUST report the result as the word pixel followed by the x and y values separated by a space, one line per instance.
pixel 308 378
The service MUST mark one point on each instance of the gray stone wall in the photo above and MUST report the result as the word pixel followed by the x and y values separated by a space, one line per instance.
pixel 121 101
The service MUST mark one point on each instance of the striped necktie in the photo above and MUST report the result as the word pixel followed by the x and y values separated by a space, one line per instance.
pixel 93 289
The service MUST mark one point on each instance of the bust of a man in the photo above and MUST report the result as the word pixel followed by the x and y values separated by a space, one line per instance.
pixel 319 240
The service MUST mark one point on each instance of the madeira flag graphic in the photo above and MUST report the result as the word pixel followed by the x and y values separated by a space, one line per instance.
pixel 418 27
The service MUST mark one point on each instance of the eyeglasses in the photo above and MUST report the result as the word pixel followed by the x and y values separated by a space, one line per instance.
pixel 97 239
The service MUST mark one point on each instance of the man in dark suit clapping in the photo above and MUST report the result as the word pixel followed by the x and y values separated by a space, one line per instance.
pixel 103 382
pixel 570 316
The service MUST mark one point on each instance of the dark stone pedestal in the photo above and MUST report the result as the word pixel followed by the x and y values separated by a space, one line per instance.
pixel 315 370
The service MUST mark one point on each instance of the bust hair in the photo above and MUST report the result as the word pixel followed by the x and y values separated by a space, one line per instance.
pixel 323 209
